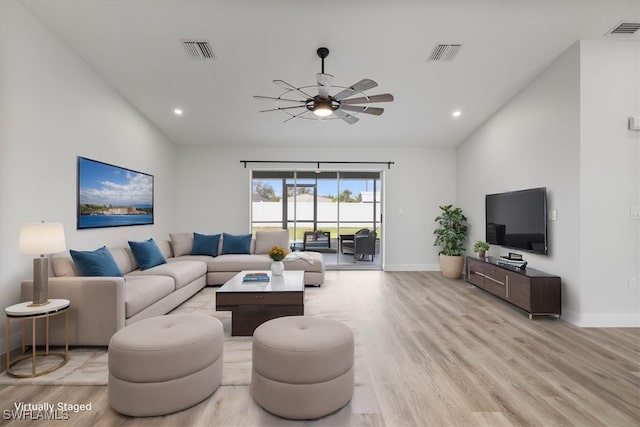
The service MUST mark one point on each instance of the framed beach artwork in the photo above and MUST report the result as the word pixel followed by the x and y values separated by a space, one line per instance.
pixel 112 196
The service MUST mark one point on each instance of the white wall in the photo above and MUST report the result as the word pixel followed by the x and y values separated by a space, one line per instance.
pixel 53 108
pixel 610 93
pixel 214 192
pixel 567 131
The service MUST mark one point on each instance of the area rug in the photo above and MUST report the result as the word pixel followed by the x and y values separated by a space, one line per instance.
pixel 88 366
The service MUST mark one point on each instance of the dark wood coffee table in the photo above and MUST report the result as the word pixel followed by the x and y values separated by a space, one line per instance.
pixel 253 303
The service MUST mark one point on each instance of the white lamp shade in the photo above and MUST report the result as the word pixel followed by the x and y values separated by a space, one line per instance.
pixel 41 238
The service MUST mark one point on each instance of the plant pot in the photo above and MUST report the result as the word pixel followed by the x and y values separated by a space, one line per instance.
pixel 481 253
pixel 277 268
pixel 451 266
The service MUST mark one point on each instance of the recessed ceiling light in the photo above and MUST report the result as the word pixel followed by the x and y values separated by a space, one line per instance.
pixel 456 113
pixel 177 111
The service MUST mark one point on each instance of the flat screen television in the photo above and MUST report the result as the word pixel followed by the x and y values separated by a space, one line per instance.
pixel 518 220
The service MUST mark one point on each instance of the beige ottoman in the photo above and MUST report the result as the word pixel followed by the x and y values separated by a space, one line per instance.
pixel 165 364
pixel 302 366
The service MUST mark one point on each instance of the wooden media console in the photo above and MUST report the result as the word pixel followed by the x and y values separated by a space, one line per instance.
pixel 534 291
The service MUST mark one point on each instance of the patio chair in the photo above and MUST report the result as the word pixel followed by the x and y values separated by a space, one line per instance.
pixel 360 244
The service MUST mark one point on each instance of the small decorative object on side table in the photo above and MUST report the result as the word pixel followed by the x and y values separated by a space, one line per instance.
pixel 26 311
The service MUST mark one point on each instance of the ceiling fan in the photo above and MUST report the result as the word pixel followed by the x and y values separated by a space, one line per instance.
pixel 324 105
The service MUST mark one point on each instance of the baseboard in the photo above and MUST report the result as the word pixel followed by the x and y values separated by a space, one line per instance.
pixel 411 267
pixel 570 316
pixel 631 320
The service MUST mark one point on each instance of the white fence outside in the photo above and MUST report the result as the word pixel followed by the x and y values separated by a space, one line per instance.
pixel 355 214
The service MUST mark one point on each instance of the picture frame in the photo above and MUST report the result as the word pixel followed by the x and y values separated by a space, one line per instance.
pixel 112 196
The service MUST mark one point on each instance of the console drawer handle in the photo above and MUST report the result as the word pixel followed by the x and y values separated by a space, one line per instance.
pixel 490 278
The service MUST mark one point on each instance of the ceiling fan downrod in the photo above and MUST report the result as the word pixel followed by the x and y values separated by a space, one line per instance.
pixel 323 52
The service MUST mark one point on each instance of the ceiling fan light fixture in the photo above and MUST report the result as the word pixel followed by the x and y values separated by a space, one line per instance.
pixel 322 111
pixel 322 107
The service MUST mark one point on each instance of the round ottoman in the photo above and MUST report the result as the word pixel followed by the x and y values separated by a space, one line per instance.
pixel 302 366
pixel 165 364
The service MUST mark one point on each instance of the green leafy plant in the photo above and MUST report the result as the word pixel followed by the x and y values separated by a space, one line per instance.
pixel 480 246
pixel 452 231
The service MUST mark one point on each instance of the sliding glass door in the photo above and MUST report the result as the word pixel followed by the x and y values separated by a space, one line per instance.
pixel 360 221
pixel 336 213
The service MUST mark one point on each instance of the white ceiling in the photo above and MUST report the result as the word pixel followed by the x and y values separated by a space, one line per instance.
pixel 135 46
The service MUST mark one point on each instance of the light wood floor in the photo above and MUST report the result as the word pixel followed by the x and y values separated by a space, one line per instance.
pixel 434 352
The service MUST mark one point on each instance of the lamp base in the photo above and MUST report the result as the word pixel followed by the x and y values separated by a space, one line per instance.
pixel 40 282
pixel 40 304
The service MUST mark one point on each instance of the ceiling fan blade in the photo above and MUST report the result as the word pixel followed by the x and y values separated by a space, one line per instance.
pixel 346 117
pixel 286 85
pixel 367 110
pixel 362 85
pixel 385 97
pixel 293 117
pixel 324 83
pixel 282 108
pixel 278 99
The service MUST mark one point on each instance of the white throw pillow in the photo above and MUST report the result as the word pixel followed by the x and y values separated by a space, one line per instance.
pixel 265 240
pixel 181 243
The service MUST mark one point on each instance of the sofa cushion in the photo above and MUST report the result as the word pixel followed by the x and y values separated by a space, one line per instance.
pixel 235 262
pixel 181 243
pixel 307 261
pixel 96 263
pixel 143 290
pixel 266 240
pixel 63 266
pixel 205 244
pixel 236 244
pixel 147 254
pixel 165 248
pixel 202 258
pixel 125 259
pixel 182 272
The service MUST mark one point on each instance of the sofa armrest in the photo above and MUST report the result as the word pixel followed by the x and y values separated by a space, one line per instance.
pixel 96 312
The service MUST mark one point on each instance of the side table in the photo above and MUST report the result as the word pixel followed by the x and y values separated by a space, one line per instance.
pixel 24 312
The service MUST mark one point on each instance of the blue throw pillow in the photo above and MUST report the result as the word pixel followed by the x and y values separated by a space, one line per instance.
pixel 96 263
pixel 236 244
pixel 147 254
pixel 205 245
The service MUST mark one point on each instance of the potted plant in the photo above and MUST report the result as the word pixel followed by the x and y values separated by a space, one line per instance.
pixel 481 247
pixel 451 235
pixel 277 254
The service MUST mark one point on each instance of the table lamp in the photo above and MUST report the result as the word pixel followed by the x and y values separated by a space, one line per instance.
pixel 41 239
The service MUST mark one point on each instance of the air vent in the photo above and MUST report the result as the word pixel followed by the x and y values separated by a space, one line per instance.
pixel 198 49
pixel 444 52
pixel 624 29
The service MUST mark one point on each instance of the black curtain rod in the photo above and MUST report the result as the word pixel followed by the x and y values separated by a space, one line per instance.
pixel 317 163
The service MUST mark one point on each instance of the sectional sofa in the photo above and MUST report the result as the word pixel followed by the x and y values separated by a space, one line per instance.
pixel 100 306
pixel 223 267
